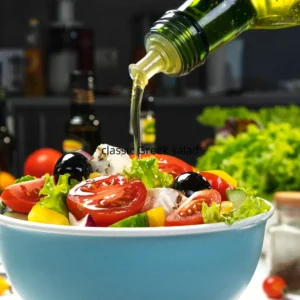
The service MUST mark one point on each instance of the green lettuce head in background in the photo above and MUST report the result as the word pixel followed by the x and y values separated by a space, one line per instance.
pixel 216 116
pixel 267 160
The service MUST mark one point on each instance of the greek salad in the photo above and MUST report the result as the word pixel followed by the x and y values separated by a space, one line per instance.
pixel 114 189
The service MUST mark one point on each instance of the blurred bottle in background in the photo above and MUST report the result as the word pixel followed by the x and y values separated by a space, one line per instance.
pixel 34 75
pixel 70 47
pixel 6 139
pixel 147 126
pixel 83 131
pixel 225 69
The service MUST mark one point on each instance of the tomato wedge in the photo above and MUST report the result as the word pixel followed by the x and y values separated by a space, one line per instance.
pixel 21 197
pixel 108 199
pixel 218 183
pixel 190 211
pixel 169 164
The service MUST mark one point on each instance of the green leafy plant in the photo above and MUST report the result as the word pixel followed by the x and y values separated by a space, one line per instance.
pixel 215 116
pixel 267 160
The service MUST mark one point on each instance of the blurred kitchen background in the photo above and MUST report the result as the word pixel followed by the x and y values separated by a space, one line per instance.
pixel 259 69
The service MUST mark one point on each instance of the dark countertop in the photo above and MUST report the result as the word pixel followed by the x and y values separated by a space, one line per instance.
pixel 266 99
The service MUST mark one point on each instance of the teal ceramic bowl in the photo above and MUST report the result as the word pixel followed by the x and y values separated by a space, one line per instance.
pixel 207 262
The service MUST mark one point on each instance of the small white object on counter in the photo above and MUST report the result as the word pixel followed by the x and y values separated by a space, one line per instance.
pixel 110 160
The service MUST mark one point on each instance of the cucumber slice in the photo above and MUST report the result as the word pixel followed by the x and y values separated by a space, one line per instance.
pixel 16 215
pixel 237 197
pixel 140 220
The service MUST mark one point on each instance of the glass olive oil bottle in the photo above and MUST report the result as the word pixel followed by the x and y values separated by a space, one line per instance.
pixel 83 129
pixel 182 39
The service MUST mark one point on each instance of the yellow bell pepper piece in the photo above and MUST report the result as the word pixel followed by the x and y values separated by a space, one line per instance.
pixel 194 169
pixel 4 286
pixel 226 207
pixel 93 175
pixel 45 215
pixel 156 217
pixel 230 180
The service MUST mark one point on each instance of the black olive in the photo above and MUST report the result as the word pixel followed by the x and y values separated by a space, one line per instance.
pixel 190 182
pixel 75 164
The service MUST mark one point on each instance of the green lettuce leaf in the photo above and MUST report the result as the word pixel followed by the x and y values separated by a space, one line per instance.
pixel 56 194
pixel 25 178
pixel 216 116
pixel 252 206
pixel 267 160
pixel 211 214
pixel 147 171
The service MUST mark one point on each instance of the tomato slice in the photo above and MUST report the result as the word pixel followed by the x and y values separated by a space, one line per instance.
pixel 108 199
pixel 21 197
pixel 169 164
pixel 217 183
pixel 190 211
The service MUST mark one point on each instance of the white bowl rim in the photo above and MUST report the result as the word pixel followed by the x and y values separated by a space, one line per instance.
pixel 135 232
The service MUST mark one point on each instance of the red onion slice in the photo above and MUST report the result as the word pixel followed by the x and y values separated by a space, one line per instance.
pixel 85 154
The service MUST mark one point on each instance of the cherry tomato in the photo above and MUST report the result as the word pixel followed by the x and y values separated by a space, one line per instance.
pixel 217 183
pixel 169 164
pixel 274 287
pixel 41 162
pixel 21 197
pixel 190 211
pixel 108 199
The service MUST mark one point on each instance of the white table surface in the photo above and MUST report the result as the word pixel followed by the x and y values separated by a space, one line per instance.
pixel 253 292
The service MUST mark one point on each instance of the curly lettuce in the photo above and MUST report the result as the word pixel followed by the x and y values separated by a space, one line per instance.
pixel 267 160
pixel 147 171
pixel 25 178
pixel 216 116
pixel 55 195
pixel 251 206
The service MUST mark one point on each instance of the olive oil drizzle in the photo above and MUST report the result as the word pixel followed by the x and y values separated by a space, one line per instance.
pixel 135 111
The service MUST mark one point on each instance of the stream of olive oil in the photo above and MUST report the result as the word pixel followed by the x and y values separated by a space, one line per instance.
pixel 135 111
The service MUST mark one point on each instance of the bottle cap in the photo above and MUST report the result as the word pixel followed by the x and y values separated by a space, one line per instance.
pixel 83 80
pixel 287 198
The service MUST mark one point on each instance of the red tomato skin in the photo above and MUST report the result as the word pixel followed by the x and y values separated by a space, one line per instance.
pixel 176 220
pixel 217 183
pixel 207 196
pixel 169 164
pixel 107 216
pixel 14 196
pixel 41 162
pixel 274 287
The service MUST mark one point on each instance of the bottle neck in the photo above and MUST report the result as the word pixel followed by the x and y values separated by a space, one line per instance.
pixel 82 102
pixel 2 114
pixel 3 109
pixel 66 11
pixel 80 96
pixel 182 39
pixel 288 215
